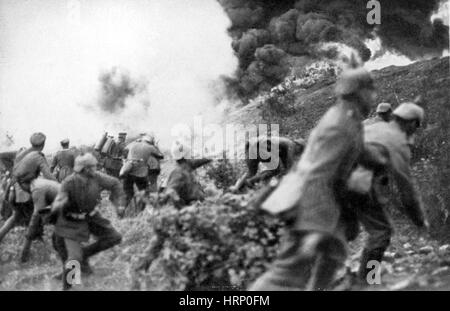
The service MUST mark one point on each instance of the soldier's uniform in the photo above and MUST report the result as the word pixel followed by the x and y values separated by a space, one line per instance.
pixel 43 192
pixel 79 218
pixel 183 183
pixel 28 165
pixel 391 145
pixel 259 150
pixel 182 189
pixel 313 191
pixel 136 169
pixel 62 163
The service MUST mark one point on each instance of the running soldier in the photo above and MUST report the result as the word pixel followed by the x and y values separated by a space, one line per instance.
pixel 79 217
pixel 311 196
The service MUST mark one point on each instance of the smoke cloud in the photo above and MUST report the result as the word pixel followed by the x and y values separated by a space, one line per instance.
pixel 292 31
pixel 117 87
pixel 77 68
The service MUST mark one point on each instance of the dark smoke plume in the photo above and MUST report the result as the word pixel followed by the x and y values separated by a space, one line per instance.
pixel 117 87
pixel 271 35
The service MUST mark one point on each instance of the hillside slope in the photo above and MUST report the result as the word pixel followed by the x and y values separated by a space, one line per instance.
pixel 431 155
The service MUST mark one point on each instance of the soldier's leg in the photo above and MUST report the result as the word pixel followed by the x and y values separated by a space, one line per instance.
pixel 128 183
pixel 74 261
pixel 291 269
pixel 35 227
pixel 141 183
pixel 31 233
pixel 376 222
pixel 105 234
pixel 330 255
pixel 153 182
pixel 59 246
pixel 308 261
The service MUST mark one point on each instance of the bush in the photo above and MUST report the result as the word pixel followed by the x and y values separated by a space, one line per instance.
pixel 211 245
pixel 222 173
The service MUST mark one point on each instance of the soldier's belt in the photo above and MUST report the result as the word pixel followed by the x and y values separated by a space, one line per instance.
pixel 81 216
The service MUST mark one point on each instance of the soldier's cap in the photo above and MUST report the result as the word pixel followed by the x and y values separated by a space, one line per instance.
pixel 84 161
pixel 65 141
pixel 122 134
pixel 409 111
pixel 37 139
pixel 180 151
pixel 383 107
pixel 353 80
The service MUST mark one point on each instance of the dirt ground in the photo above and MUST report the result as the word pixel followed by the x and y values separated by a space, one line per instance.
pixel 412 262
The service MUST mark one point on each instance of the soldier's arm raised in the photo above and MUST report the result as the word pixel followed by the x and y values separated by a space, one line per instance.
pixel 196 163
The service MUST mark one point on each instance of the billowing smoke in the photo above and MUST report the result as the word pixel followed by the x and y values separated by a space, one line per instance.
pixel 117 87
pixel 77 68
pixel 270 36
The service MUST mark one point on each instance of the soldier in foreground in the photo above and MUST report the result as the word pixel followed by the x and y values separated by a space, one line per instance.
pixel 260 150
pixel 28 165
pixel 311 195
pixel 136 170
pixel 63 161
pixel 79 217
pixel 389 141
pixel 384 114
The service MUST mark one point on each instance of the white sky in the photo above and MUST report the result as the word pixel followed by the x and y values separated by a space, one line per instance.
pixel 51 53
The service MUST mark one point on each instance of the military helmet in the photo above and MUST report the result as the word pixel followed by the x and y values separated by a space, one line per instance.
pixel 122 134
pixel 352 80
pixel 84 161
pixel 180 151
pixel 37 139
pixel 410 111
pixel 383 107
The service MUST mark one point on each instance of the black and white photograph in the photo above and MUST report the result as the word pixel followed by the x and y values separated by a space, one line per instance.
pixel 205 146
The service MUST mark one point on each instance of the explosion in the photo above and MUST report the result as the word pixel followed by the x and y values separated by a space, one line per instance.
pixel 269 37
pixel 116 87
